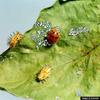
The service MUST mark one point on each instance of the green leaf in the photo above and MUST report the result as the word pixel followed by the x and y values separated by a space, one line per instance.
pixel 74 59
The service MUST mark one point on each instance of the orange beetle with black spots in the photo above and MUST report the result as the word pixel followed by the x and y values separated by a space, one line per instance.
pixel 53 36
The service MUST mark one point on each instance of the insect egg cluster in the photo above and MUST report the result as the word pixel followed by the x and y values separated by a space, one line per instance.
pixel 45 25
pixel 47 36
pixel 78 30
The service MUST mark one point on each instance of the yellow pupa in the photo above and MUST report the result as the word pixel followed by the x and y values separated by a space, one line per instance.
pixel 14 39
pixel 43 73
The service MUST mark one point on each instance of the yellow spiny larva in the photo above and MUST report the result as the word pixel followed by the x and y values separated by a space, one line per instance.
pixel 43 73
pixel 14 39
